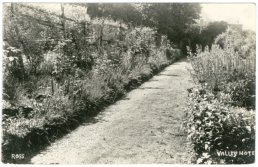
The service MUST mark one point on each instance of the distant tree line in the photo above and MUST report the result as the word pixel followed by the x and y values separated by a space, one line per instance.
pixel 176 20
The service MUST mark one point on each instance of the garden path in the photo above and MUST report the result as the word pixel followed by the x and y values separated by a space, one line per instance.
pixel 144 127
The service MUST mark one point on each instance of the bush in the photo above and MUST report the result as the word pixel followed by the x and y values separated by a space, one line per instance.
pixel 220 115
pixel 214 127
pixel 242 42
pixel 217 66
pixel 73 77
pixel 227 70
pixel 241 92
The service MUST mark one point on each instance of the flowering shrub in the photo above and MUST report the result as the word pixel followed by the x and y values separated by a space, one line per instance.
pixel 72 74
pixel 218 65
pixel 226 69
pixel 214 127
pixel 243 42
pixel 241 92
pixel 220 116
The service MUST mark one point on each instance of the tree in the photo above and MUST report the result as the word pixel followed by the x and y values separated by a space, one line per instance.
pixel 213 29
pixel 171 19
pixel 125 12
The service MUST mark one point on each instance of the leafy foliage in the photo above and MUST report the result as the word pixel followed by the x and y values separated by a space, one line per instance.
pixel 220 115
pixel 217 66
pixel 213 126
pixel 125 12
pixel 210 32
pixel 69 70
pixel 243 42
pixel 170 19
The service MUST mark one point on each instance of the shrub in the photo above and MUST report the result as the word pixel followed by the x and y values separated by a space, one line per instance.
pixel 220 117
pixel 225 70
pixel 242 42
pixel 217 65
pixel 242 92
pixel 214 127
pixel 70 73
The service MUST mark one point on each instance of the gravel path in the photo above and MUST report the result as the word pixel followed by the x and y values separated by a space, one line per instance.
pixel 144 127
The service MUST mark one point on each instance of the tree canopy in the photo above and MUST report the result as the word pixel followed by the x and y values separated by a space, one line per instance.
pixel 171 19
pixel 117 11
pixel 213 29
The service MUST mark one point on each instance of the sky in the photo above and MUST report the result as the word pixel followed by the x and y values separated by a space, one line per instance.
pixel 234 13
